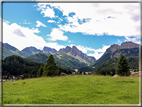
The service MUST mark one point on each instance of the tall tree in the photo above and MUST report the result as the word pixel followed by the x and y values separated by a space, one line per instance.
pixel 123 66
pixel 40 71
pixel 50 68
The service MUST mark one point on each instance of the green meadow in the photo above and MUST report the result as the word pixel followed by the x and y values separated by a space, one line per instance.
pixel 78 89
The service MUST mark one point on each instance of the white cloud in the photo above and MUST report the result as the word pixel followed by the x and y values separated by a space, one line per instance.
pixel 54 45
pixel 70 41
pixel 51 21
pixel 19 32
pixel 15 37
pixel 118 40
pixel 118 19
pixel 57 34
pixel 134 39
pixel 25 23
pixel 6 21
pixel 48 12
pixel 99 52
pixel 40 24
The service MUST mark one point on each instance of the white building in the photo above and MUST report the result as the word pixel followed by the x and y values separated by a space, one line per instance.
pixel 76 70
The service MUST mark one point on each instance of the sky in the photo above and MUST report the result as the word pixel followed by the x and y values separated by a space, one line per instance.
pixel 91 27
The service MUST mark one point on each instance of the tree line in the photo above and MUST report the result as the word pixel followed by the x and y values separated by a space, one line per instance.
pixel 16 65
pixel 122 67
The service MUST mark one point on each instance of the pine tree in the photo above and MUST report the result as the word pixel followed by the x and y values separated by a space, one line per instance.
pixel 123 66
pixel 40 71
pixel 50 68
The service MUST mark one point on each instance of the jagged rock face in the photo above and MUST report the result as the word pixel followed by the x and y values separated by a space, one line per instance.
pixel 114 47
pixel 65 50
pixel 127 52
pixel 128 45
pixel 49 50
pixel 77 53
pixel 128 49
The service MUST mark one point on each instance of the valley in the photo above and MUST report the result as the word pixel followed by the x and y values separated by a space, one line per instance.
pixel 71 53
pixel 81 79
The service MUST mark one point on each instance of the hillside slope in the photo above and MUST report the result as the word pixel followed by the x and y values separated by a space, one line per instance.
pixel 129 49
pixel 63 60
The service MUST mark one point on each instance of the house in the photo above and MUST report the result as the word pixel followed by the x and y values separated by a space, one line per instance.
pixel 12 77
pixel 20 76
pixel 76 70
pixel 2 80
pixel 87 73
pixel 73 73
pixel 63 74
pixel 135 74
pixel 4 77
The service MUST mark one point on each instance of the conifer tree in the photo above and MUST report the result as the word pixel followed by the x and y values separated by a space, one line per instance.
pixel 123 66
pixel 40 71
pixel 50 68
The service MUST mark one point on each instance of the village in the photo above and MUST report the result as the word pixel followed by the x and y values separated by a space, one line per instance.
pixel 14 78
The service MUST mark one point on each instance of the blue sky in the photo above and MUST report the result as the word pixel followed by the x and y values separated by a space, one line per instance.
pixel 92 27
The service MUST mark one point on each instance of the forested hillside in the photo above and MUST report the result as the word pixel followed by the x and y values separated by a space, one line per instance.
pixel 111 64
pixel 16 65
pixel 63 60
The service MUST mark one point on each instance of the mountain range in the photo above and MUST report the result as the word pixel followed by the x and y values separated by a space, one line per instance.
pixel 72 58
pixel 67 58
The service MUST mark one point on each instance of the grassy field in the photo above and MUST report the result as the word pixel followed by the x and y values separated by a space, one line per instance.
pixel 77 89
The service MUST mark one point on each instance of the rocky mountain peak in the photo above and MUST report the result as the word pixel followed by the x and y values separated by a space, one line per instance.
pixel 49 50
pixel 31 50
pixel 75 52
pixel 114 47
pixel 74 47
pixel 129 44
pixel 67 49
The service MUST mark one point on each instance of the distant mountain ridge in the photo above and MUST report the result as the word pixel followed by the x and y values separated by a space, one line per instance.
pixel 78 54
pixel 9 50
pixel 72 58
pixel 49 50
pixel 9 47
pixel 67 55
pixel 31 50
pixel 74 52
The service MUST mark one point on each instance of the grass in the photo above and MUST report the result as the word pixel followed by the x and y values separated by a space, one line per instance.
pixel 87 89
